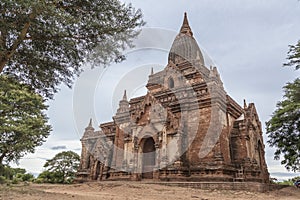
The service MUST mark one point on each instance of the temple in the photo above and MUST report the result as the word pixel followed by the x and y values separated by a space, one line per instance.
pixel 186 128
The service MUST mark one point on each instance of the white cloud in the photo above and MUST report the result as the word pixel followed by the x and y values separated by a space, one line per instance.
pixel 33 163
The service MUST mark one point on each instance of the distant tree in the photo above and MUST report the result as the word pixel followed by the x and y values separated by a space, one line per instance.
pixel 7 172
pixel 64 165
pixel 18 174
pixel 50 177
pixel 283 128
pixel 290 181
pixel 23 123
pixel 26 177
pixel 44 42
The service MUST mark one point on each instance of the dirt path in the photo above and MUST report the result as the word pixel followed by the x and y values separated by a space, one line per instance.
pixel 133 191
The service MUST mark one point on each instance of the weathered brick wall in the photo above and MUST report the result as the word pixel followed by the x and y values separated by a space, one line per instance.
pixel 245 186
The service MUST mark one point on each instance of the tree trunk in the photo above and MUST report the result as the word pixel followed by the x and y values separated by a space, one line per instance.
pixel 10 52
pixel 2 157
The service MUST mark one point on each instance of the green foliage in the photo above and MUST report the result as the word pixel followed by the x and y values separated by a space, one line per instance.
pixel 2 180
pixel 283 128
pixel 7 172
pixel 286 182
pixel 289 181
pixel 38 181
pixel 50 177
pixel 294 56
pixel 14 175
pixel 44 43
pixel 19 171
pixel 61 168
pixel 16 180
pixel 295 179
pixel 25 177
pixel 23 123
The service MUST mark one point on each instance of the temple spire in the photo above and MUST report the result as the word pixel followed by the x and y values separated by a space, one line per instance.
pixel 123 104
pixel 185 28
pixel 125 96
pixel 90 126
pixel 90 123
pixel 245 104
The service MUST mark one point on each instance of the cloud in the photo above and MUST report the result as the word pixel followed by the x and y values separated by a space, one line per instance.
pixel 33 163
pixel 58 148
pixel 281 176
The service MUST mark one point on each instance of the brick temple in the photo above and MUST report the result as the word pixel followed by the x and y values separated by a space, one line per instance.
pixel 186 128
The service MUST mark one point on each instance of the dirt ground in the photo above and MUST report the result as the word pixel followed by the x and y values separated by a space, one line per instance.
pixel 132 191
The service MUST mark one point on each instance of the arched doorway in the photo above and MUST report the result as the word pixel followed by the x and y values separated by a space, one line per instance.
pixel 148 158
pixel 96 170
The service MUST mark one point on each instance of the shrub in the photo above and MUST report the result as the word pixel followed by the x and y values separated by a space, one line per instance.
pixel 16 180
pixel 2 180
pixel 38 180
pixel 27 177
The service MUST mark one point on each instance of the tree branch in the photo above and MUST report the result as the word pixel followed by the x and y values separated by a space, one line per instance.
pixel 5 58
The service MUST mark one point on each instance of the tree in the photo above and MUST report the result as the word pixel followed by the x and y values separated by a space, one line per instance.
pixel 44 42
pixel 64 164
pixel 16 174
pixel 23 123
pixel 49 177
pixel 294 56
pixel 284 126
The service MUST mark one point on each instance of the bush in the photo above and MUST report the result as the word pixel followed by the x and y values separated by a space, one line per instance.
pixel 16 180
pixel 54 177
pixel 15 175
pixel 27 177
pixel 7 172
pixel 69 180
pixel 289 181
pixel 38 180
pixel 2 180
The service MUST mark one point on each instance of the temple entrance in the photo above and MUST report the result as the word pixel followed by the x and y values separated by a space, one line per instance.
pixel 96 170
pixel 148 158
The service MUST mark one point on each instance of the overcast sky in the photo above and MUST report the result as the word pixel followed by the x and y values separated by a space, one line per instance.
pixel 247 41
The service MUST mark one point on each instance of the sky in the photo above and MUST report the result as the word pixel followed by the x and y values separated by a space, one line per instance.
pixel 246 40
